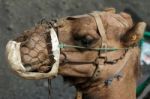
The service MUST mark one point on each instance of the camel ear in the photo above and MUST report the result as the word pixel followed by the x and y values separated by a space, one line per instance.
pixel 133 36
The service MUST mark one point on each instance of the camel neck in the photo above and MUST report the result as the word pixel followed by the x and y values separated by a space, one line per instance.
pixel 123 89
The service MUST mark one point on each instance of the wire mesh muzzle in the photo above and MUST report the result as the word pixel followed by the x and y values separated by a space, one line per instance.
pixel 36 52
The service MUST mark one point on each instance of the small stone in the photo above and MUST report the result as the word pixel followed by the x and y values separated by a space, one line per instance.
pixel 10 27
pixel 45 84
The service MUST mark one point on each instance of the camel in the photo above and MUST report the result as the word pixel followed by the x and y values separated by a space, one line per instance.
pixel 96 52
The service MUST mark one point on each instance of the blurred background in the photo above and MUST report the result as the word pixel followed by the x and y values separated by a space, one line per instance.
pixel 18 15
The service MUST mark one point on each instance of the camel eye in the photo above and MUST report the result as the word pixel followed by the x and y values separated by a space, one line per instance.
pixel 85 41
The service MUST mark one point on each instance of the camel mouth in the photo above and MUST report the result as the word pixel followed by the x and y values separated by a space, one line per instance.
pixel 14 59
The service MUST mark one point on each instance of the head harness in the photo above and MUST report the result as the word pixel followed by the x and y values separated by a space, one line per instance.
pixel 101 59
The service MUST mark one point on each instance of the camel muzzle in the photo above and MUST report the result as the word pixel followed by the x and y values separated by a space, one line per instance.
pixel 14 59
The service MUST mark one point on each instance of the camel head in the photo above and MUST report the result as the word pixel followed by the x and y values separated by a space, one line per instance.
pixel 68 47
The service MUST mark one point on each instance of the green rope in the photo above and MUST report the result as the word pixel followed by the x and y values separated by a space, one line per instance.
pixel 142 86
pixel 62 45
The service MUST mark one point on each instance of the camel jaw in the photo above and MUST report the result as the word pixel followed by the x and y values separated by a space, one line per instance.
pixel 14 59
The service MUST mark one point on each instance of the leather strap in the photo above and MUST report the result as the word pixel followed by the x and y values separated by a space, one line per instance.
pixel 119 72
pixel 100 26
pixel 102 33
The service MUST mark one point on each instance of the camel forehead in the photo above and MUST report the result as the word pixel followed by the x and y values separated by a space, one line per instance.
pixel 85 23
pixel 77 26
pixel 79 23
